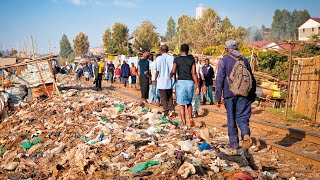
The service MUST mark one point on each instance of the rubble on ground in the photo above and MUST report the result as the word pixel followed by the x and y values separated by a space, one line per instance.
pixel 95 135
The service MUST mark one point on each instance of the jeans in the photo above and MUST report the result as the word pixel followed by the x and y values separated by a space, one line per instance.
pixel 110 76
pixel 124 81
pixel 238 114
pixel 155 93
pixel 209 94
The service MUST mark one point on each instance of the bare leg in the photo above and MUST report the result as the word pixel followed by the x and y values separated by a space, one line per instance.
pixel 189 106
pixel 183 114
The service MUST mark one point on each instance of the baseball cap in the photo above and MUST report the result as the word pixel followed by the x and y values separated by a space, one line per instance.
pixel 231 44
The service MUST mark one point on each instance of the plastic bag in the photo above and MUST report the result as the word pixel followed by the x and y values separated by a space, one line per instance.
pixel 164 120
pixel 185 145
pixel 119 106
pixel 204 146
pixel 143 166
pixel 29 144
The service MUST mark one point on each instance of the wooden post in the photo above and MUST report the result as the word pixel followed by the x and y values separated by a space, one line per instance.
pixel 289 82
pixel 41 79
pixel 53 79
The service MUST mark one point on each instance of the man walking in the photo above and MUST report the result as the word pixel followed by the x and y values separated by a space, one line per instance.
pixel 100 73
pixel 238 106
pixel 144 77
pixel 110 71
pixel 208 74
pixel 163 82
pixel 154 91
pixel 124 73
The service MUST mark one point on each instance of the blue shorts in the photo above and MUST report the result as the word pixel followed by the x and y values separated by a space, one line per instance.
pixel 184 91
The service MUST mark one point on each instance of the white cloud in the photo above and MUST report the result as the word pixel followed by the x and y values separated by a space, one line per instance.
pixel 79 2
pixel 119 3
pixel 125 3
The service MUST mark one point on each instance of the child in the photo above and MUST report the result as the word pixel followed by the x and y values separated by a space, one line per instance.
pixel 117 73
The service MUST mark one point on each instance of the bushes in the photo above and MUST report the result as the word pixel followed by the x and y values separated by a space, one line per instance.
pixel 244 49
pixel 274 64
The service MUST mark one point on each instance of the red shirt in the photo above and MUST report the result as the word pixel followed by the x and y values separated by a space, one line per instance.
pixel 117 71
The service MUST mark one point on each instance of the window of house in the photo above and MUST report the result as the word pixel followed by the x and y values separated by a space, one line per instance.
pixel 312 29
pixel 303 30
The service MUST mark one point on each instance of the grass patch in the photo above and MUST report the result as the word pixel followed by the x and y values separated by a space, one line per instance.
pixel 2 149
pixel 292 115
pixel 289 120
pixel 275 110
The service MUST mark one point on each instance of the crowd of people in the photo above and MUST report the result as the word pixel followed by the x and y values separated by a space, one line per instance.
pixel 160 75
pixel 194 82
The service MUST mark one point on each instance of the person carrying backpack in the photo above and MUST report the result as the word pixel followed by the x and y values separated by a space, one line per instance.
pixel 236 82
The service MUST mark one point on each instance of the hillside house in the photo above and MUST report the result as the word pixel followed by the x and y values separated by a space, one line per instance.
pixel 309 28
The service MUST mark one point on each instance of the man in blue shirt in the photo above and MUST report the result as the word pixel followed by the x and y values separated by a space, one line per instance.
pixel 238 107
pixel 163 67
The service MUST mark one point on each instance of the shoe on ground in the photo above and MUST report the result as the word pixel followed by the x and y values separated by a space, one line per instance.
pixel 247 142
pixel 229 151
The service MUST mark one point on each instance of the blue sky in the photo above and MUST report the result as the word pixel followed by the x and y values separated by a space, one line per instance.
pixel 50 19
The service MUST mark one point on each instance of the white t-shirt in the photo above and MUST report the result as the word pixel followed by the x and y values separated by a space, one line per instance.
pixel 153 70
pixel 164 64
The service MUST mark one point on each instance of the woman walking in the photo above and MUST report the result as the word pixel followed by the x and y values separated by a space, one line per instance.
pixel 133 74
pixel 187 77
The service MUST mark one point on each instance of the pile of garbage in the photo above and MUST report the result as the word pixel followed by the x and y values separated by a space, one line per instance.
pixel 85 134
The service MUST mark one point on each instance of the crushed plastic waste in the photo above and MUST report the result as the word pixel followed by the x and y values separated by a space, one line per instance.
pixel 90 135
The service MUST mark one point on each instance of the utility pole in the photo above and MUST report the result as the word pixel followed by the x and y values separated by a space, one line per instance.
pixel 25 47
pixel 32 45
pixel 36 47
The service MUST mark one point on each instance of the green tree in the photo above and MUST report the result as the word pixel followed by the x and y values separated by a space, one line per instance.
pixel 171 29
pixel 146 37
pixel 14 52
pixel 81 44
pixel 207 29
pixel 65 47
pixel 285 23
pixel 120 33
pixel 106 38
pixel 71 58
pixel 186 30
pixel 226 31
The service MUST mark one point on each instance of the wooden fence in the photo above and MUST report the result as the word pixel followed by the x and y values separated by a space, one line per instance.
pixel 305 87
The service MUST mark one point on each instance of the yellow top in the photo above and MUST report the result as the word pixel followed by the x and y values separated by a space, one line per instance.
pixel 100 67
